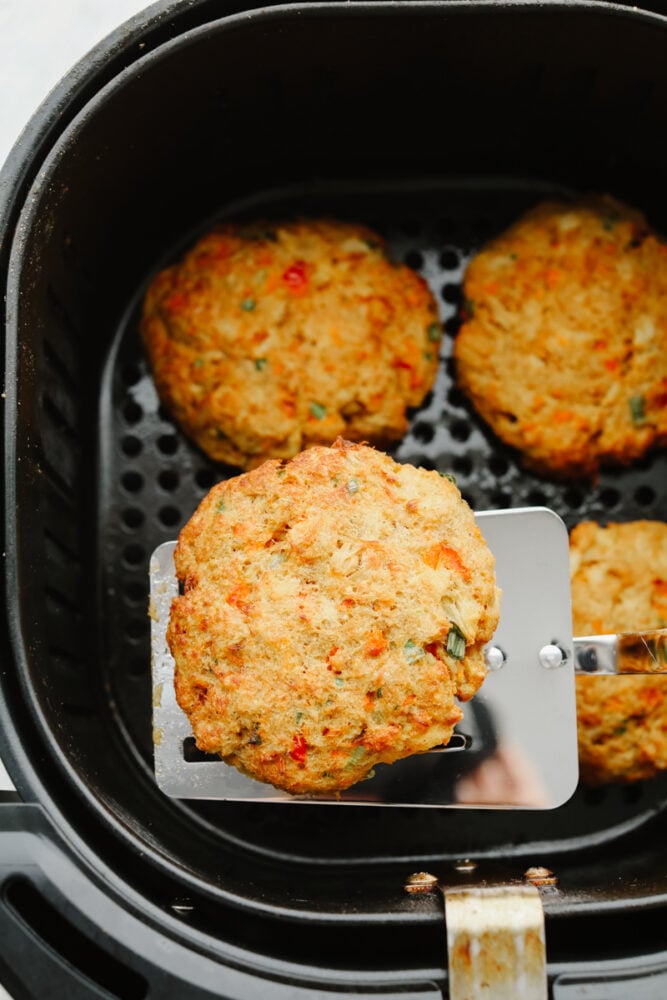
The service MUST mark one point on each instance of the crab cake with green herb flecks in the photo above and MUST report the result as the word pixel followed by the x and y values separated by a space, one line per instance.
pixel 619 584
pixel 333 608
pixel 563 349
pixel 266 339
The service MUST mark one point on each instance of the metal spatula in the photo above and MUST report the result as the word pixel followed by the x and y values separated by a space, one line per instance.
pixel 516 745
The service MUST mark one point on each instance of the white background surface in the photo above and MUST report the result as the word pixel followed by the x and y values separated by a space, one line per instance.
pixel 40 40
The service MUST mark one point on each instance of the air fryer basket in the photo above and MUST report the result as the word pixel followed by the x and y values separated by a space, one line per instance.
pixel 437 123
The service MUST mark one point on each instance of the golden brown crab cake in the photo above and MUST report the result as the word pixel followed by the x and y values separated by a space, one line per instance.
pixel 334 607
pixel 619 584
pixel 266 339
pixel 563 349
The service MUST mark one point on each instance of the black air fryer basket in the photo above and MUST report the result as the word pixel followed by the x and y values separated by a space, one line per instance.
pixel 437 123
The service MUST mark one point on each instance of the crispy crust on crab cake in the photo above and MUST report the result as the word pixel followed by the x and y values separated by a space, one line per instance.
pixel 563 350
pixel 266 339
pixel 619 584
pixel 333 609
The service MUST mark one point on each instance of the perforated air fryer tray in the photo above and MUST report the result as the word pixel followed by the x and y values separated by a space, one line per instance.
pixel 152 479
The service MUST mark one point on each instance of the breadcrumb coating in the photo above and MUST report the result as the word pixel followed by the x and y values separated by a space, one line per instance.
pixel 564 346
pixel 268 338
pixel 333 609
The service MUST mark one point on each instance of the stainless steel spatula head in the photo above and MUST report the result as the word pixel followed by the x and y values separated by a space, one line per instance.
pixel 516 745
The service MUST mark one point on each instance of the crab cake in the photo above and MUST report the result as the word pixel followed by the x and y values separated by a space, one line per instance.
pixel 334 607
pixel 619 584
pixel 265 340
pixel 563 350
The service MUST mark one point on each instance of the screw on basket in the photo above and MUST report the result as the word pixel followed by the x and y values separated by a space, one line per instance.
pixel 539 876
pixel 182 906
pixel 465 865
pixel 421 882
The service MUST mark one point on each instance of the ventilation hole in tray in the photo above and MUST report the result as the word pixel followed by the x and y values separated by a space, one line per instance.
pixel 453 325
pixel 498 466
pixel 536 498
pixel 132 412
pixel 169 516
pixel 500 500
pixel 205 478
pixel 456 398
pixel 135 592
pixel 633 793
pixel 428 399
pixel 134 554
pixel 414 259
pixel 449 260
pixel 131 374
pixel 451 293
pixel 645 496
pixel 573 497
pixel 131 445
pixel 167 444
pixel 133 518
pixel 450 367
pixel 644 463
pixel 423 432
pixel 132 481
pixel 462 465
pixel 422 462
pixel 610 497
pixel 136 628
pixel 168 480
pixel 594 796
pixel 469 498
pixel 460 430
pixel 192 754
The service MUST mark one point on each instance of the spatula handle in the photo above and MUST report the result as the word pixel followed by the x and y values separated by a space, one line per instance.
pixel 625 653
